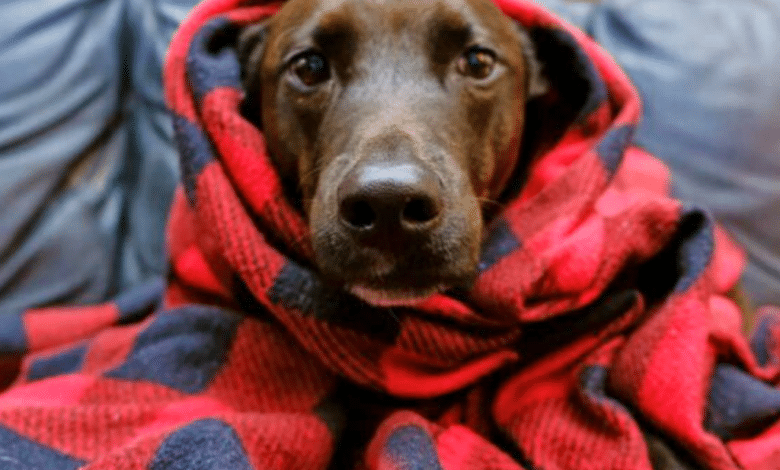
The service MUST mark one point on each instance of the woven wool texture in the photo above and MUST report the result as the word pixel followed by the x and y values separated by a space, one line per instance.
pixel 598 319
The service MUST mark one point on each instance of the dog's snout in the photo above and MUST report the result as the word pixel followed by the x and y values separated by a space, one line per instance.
pixel 386 199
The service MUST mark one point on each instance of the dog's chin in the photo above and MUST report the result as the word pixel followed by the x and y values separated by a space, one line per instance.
pixel 394 298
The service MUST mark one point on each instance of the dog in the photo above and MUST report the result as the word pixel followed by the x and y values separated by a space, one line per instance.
pixel 395 124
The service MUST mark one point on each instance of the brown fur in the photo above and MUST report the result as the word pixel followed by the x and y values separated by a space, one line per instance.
pixel 396 120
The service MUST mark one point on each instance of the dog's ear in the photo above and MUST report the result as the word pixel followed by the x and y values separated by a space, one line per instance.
pixel 537 83
pixel 250 42
pixel 563 88
pixel 566 81
pixel 250 45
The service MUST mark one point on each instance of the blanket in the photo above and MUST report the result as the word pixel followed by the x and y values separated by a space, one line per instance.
pixel 596 335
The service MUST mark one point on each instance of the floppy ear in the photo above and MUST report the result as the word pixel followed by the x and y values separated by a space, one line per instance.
pixel 250 46
pixel 563 87
pixel 537 83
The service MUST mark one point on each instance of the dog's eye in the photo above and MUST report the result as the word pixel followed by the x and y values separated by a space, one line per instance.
pixel 477 62
pixel 311 68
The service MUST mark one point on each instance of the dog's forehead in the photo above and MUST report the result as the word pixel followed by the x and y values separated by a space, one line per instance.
pixel 362 19
pixel 410 10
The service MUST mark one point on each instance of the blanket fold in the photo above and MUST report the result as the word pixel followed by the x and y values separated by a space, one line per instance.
pixel 597 334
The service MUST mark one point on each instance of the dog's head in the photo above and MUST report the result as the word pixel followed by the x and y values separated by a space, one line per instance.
pixel 393 122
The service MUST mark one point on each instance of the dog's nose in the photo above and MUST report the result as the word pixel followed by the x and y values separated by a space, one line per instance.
pixel 387 200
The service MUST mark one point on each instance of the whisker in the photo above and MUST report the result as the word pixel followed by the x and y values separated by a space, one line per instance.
pixel 485 201
pixel 390 312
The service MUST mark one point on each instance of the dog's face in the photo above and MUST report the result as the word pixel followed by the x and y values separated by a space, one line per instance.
pixel 395 120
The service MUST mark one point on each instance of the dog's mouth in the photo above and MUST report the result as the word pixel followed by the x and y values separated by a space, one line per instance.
pixel 402 272
pixel 387 279
pixel 394 297
pixel 406 285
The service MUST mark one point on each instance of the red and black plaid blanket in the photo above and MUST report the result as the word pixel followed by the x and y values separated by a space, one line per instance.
pixel 597 335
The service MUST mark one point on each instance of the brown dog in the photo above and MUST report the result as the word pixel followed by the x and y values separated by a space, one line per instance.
pixel 394 120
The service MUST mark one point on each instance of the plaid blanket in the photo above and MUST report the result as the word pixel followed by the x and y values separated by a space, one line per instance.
pixel 597 334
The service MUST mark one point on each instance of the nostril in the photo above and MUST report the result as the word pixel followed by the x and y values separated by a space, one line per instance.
pixel 420 210
pixel 357 213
